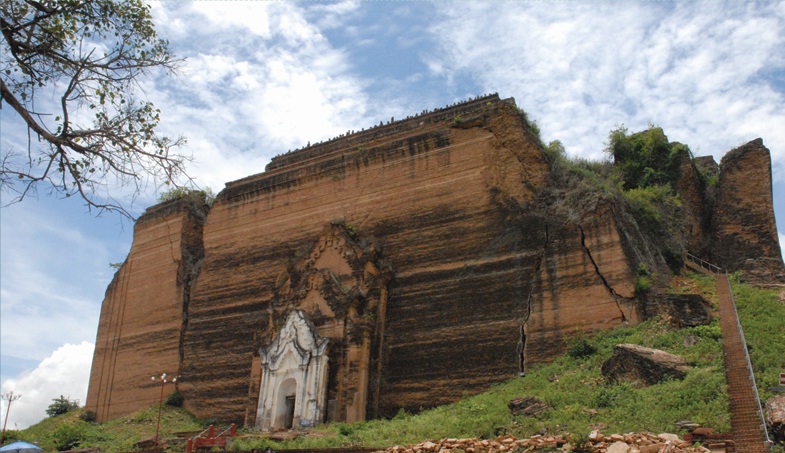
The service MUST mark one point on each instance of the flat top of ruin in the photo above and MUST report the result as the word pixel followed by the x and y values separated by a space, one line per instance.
pixel 353 139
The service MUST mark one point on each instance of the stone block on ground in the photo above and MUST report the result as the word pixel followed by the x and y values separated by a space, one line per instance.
pixel 648 366
pixel 775 417
pixel 527 406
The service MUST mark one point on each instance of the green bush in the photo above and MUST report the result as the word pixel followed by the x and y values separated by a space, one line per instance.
pixel 580 348
pixel 642 285
pixel 87 416
pixel 69 436
pixel 660 216
pixel 175 399
pixel 183 192
pixel 345 430
pixel 712 331
pixel 11 436
pixel 646 158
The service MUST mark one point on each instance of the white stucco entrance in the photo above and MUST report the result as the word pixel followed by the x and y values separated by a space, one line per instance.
pixel 294 376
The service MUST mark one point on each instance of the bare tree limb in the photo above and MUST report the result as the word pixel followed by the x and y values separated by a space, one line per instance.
pixel 55 44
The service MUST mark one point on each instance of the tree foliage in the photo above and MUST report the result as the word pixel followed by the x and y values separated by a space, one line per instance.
pixel 61 406
pixel 71 69
pixel 645 158
pixel 648 165
pixel 175 193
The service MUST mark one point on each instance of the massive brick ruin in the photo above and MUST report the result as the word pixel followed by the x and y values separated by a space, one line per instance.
pixel 401 266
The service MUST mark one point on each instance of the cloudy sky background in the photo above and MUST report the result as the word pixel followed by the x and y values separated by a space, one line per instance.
pixel 261 78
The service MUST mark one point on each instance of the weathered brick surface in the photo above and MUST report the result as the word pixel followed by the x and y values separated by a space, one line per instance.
pixel 141 317
pixel 446 201
pixel 745 233
pixel 452 255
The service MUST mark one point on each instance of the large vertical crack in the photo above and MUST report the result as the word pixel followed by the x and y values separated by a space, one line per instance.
pixel 616 296
pixel 192 253
pixel 522 338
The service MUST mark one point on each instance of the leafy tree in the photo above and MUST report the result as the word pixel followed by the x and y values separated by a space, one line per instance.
pixel 646 158
pixel 61 406
pixel 90 55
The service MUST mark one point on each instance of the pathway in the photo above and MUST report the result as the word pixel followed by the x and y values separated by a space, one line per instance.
pixel 745 419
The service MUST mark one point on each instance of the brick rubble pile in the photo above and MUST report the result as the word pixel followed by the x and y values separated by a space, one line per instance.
pixel 616 443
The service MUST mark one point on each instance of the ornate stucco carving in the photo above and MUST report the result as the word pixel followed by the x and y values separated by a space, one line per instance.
pixel 338 291
pixel 294 367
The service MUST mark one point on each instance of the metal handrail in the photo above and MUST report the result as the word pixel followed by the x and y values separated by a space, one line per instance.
pixel 749 364
pixel 718 270
pixel 704 264
pixel 203 431
pixel 230 431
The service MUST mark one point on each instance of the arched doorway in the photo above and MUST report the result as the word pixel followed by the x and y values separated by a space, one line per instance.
pixel 286 403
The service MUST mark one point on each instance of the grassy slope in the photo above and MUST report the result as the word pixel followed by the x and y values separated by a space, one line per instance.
pixel 113 436
pixel 762 316
pixel 573 387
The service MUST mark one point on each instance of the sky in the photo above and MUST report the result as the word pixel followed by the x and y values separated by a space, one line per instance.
pixel 261 78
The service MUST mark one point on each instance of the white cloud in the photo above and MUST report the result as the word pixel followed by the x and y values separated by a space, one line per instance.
pixel 332 15
pixel 258 80
pixel 65 372
pixel 252 16
pixel 53 276
pixel 696 69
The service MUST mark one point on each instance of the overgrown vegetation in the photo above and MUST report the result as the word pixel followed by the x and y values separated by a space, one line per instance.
pixel 642 280
pixel 639 184
pixel 646 158
pixel 761 314
pixel 194 195
pixel 71 430
pixel 61 406
pixel 175 399
pixel 531 126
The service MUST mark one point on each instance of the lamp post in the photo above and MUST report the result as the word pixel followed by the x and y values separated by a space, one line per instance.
pixel 11 398
pixel 161 403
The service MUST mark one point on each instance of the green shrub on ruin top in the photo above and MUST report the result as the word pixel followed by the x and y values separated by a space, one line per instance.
pixel 176 193
pixel 645 158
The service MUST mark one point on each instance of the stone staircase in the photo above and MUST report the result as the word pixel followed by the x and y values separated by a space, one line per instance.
pixel 746 418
